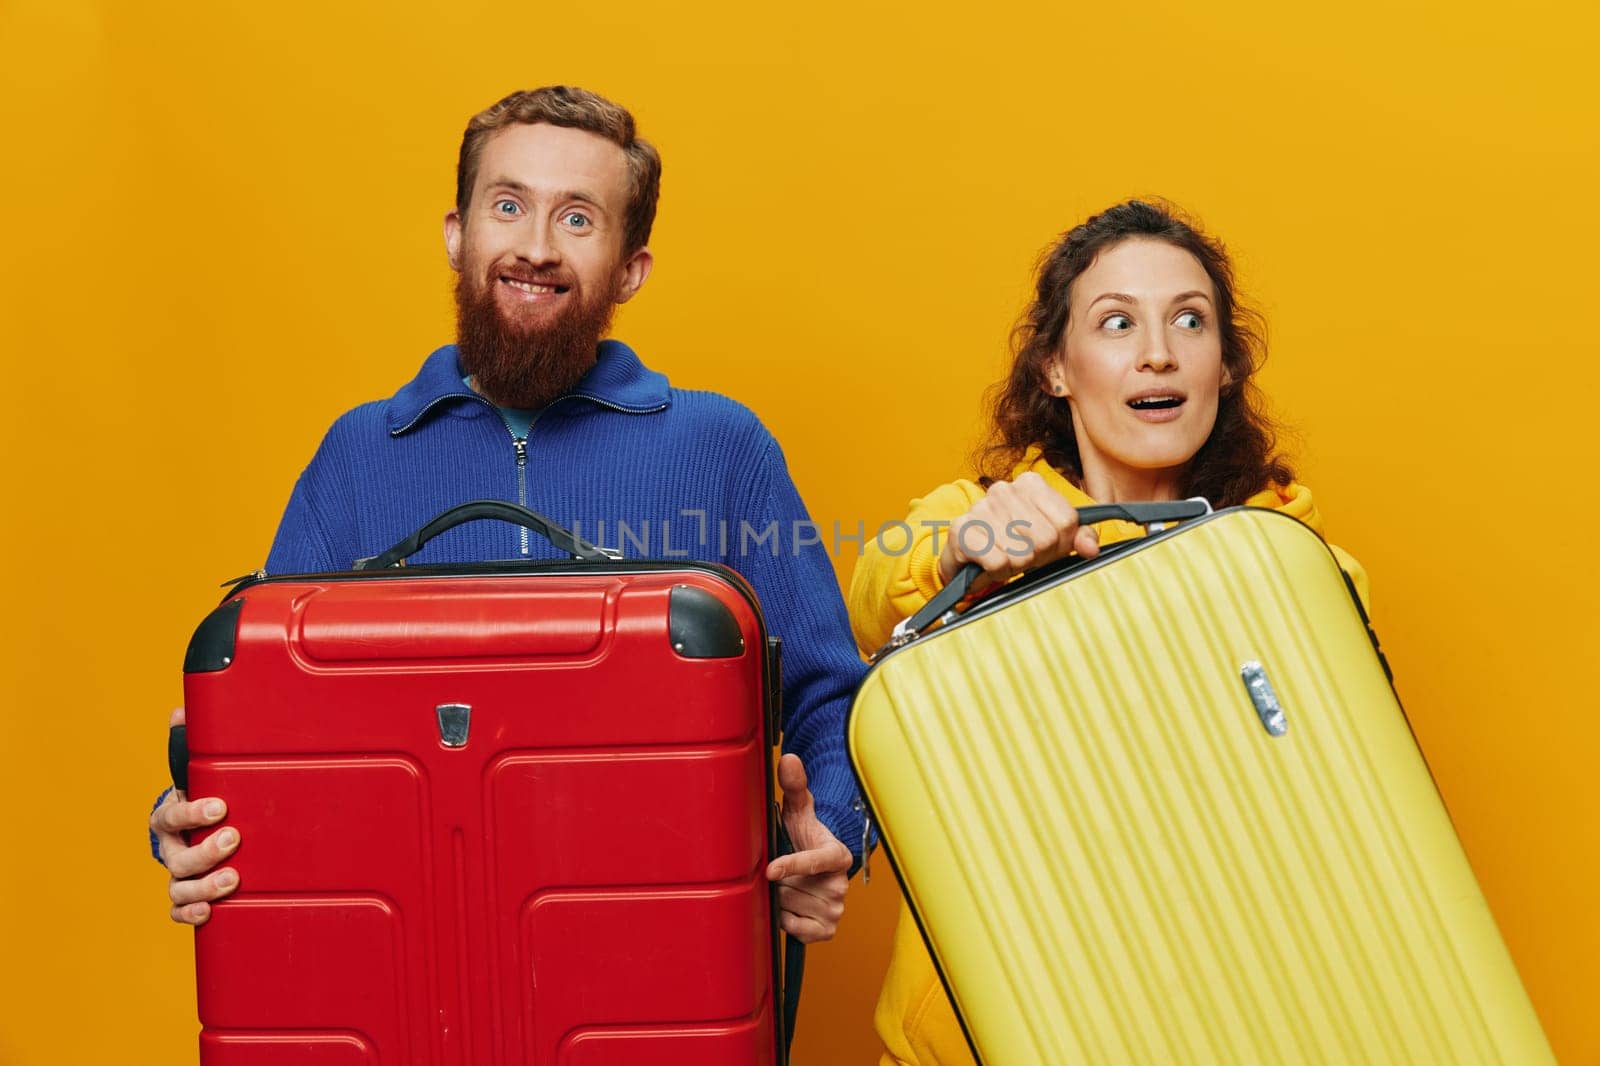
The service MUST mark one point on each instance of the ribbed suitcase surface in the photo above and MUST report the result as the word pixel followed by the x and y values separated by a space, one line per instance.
pixel 1115 860
pixel 488 819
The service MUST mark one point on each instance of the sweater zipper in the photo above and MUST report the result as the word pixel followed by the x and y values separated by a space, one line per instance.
pixel 521 444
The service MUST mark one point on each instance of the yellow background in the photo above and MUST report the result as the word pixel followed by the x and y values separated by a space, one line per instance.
pixel 222 229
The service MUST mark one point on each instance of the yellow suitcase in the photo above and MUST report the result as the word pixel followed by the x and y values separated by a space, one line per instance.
pixel 1164 807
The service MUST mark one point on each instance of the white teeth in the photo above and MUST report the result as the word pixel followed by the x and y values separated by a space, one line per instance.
pixel 529 286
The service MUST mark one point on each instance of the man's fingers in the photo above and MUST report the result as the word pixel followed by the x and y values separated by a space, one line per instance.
pixel 792 779
pixel 798 809
pixel 831 858
pixel 202 889
pixel 192 914
pixel 189 861
pixel 178 815
pixel 176 718
pixel 828 907
pixel 805 930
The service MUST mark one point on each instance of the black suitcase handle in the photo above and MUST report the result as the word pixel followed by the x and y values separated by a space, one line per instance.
pixel 1144 514
pixel 178 756
pixel 561 537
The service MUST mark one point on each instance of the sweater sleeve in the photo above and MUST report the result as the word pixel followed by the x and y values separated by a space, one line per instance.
pixel 899 572
pixel 305 542
pixel 800 600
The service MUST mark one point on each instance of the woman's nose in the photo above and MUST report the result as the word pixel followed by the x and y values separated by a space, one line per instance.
pixel 1157 354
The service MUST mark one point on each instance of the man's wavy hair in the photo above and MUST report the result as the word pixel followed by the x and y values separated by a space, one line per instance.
pixel 1236 461
pixel 565 105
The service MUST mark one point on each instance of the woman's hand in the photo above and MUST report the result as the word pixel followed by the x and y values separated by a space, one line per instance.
pixel 1017 526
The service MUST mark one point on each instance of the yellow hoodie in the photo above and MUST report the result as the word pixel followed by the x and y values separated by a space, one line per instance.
pixel 914 1018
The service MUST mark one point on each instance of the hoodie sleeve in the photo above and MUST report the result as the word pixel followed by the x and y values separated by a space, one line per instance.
pixel 1295 501
pixel 1358 575
pixel 898 571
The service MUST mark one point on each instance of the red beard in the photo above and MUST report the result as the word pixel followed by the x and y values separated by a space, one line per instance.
pixel 527 364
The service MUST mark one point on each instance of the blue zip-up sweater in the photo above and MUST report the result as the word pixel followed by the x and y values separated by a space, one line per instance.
pixel 686 474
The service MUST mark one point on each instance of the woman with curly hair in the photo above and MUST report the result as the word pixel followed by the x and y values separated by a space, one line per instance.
pixel 1132 380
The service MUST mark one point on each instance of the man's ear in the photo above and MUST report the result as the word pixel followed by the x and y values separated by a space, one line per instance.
pixel 452 238
pixel 635 269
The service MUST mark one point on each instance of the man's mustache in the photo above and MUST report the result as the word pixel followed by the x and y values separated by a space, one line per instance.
pixel 552 278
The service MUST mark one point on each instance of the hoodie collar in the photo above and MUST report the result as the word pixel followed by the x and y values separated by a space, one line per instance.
pixel 1293 499
pixel 618 381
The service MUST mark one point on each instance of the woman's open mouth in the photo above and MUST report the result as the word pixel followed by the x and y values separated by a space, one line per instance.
pixel 1157 406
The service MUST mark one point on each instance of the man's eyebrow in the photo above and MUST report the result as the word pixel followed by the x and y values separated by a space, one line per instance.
pixel 518 187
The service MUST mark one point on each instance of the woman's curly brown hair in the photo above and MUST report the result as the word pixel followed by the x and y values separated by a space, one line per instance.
pixel 1236 461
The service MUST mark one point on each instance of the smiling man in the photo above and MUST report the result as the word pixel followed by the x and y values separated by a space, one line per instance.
pixel 555 199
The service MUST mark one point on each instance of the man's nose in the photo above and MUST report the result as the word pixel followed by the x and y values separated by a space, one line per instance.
pixel 538 245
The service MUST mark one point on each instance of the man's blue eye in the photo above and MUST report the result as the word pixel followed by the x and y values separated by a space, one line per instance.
pixel 505 207
pixel 577 218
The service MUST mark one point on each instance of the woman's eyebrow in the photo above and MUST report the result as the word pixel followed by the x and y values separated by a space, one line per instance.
pixel 1123 297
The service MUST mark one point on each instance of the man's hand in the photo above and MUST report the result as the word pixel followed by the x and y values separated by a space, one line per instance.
pixel 811 879
pixel 194 882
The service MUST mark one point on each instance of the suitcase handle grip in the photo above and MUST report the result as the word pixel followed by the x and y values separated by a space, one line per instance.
pixel 1144 514
pixel 794 958
pixel 562 538
pixel 178 756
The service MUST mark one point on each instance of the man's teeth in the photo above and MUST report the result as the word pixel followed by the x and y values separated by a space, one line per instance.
pixel 528 286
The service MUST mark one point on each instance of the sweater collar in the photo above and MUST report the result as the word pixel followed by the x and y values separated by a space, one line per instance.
pixel 618 381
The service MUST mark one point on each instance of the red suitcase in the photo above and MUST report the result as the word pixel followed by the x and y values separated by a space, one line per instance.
pixel 501 813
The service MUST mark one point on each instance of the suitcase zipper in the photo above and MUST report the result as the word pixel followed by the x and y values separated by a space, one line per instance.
pixel 859 805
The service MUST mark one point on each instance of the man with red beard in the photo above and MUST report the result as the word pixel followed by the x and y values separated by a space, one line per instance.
pixel 555 198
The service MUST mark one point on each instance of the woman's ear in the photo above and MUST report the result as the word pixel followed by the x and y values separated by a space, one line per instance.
pixel 1055 377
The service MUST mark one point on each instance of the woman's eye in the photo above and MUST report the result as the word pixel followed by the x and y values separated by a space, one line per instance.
pixel 1117 323
pixel 506 207
pixel 576 219
pixel 1189 320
